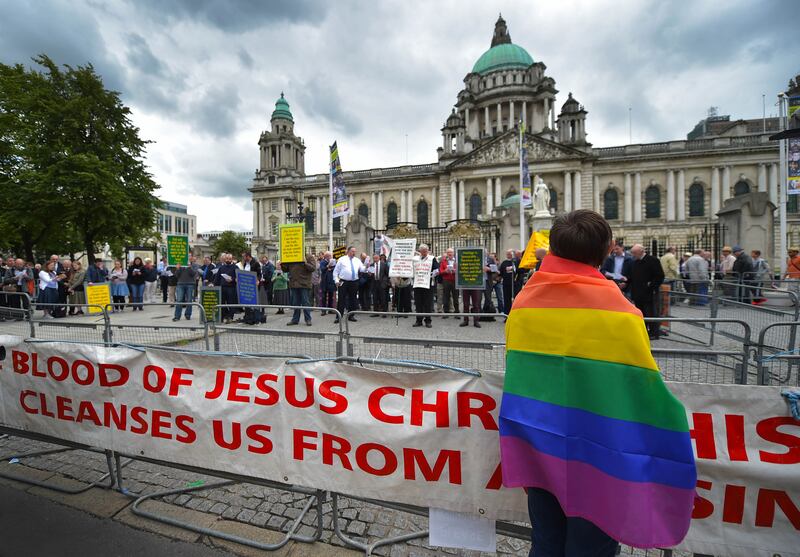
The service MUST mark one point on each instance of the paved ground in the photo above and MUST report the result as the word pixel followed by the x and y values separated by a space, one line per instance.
pixel 267 512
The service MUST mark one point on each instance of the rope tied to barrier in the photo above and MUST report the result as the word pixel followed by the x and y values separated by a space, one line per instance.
pixel 779 354
pixel 793 399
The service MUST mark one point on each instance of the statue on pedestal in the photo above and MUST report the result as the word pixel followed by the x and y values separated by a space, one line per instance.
pixel 541 200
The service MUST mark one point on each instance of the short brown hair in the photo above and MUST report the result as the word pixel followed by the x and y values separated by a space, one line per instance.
pixel 582 236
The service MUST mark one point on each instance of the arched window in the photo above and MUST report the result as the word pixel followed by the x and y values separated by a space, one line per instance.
pixel 553 200
pixel 740 188
pixel 697 200
pixel 611 204
pixel 391 213
pixel 363 210
pixel 475 206
pixel 652 202
pixel 422 214
pixel 310 218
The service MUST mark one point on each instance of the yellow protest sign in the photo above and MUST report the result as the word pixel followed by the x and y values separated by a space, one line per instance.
pixel 98 295
pixel 293 243
pixel 539 239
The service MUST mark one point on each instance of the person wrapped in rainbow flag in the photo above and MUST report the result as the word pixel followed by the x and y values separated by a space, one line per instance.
pixel 586 423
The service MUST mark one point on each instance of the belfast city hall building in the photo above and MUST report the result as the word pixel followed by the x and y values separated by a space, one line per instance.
pixel 657 194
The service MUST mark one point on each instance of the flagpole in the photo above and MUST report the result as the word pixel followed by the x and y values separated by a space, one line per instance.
pixel 521 195
pixel 330 204
pixel 784 173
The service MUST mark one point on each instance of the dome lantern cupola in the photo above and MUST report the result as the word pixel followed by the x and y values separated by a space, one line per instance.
pixel 282 109
pixel 503 54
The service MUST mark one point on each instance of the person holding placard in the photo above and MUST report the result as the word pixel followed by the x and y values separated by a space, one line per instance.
pixel 225 278
pixel 447 270
pixel 423 293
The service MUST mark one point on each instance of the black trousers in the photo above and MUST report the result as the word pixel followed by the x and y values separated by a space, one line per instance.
pixel 164 282
pixel 364 295
pixel 423 302
pixel 648 308
pixel 378 297
pixel 348 296
pixel 229 297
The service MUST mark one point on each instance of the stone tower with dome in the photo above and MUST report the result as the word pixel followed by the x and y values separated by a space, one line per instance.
pixel 656 194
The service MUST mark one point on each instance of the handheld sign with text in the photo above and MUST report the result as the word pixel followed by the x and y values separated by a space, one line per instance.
pixel 98 295
pixel 247 287
pixel 402 258
pixel 469 269
pixel 293 243
pixel 339 251
pixel 539 239
pixel 422 272
pixel 177 250
pixel 210 297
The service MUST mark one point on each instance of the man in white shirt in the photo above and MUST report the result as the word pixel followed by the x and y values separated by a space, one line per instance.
pixel 345 274
pixel 423 294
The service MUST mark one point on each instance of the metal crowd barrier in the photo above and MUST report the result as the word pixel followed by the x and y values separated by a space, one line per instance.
pixel 689 352
pixel 192 333
pixel 322 339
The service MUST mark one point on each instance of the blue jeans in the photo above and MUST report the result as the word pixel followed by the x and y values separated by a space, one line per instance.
pixel 137 291
pixel 498 292
pixel 299 297
pixel 183 298
pixel 556 535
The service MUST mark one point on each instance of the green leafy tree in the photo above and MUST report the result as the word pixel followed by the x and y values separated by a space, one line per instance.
pixel 71 162
pixel 230 242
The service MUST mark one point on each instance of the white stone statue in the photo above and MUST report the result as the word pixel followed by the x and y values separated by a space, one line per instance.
pixel 541 200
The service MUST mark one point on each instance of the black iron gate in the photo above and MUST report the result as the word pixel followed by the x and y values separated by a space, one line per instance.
pixel 711 238
pixel 454 234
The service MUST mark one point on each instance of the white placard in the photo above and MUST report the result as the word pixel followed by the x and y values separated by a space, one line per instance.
pixel 422 272
pixel 401 263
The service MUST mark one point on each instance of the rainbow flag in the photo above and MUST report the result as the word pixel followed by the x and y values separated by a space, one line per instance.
pixel 585 414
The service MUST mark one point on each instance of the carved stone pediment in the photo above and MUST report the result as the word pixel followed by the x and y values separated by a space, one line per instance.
pixel 505 150
pixel 403 231
pixel 464 230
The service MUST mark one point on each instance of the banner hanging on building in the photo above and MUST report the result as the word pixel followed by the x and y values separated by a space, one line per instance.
pixel 793 161
pixel 427 438
pixel 339 206
pixel 527 196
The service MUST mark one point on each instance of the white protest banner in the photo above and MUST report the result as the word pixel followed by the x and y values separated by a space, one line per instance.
pixel 426 438
pixel 747 447
pixel 423 438
pixel 401 263
pixel 422 272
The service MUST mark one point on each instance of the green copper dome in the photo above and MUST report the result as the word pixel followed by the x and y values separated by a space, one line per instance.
pixel 282 109
pixel 501 57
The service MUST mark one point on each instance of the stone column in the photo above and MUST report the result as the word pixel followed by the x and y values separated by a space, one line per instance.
pixel 262 217
pixel 489 195
pixel 680 199
pixel 466 120
pixel 410 203
pixel 726 183
pixel 637 197
pixel 453 200
pixel 628 198
pixel 256 203
pixel 773 183
pixel 351 204
pixel 525 113
pixel 379 215
pixel 762 176
pixel 323 214
pixel 567 191
pixel 714 191
pixel 511 120
pixel 499 118
pixel 576 186
pixel 402 215
pixel 498 191
pixel 461 212
pixel 596 194
pixel 487 125
pixel 434 214
pixel 373 210
pixel 670 195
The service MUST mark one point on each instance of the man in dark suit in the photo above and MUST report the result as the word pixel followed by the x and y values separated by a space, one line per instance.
pixel 617 267
pixel 645 280
pixel 380 283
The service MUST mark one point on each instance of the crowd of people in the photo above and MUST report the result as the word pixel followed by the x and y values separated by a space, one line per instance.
pixel 363 282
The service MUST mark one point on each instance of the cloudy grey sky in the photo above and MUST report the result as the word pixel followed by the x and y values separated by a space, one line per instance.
pixel 202 76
